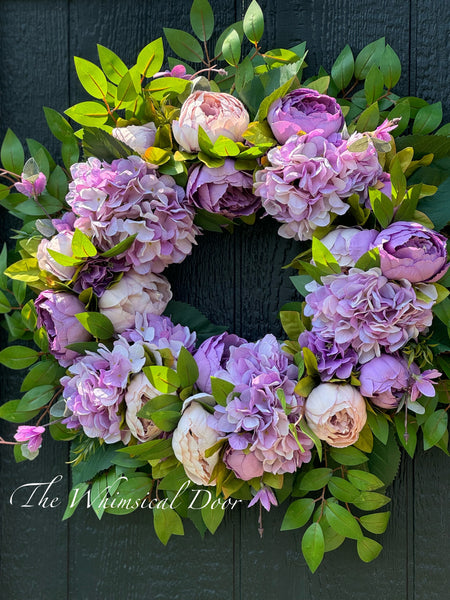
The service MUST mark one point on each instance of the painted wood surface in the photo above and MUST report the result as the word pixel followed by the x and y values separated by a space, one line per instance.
pixel 236 280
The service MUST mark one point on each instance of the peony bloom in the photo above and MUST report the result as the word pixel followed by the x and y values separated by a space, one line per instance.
pixel 304 110
pixel 336 413
pixel 212 357
pixel 62 243
pixel 366 311
pixel 159 332
pixel 222 190
pixel 217 113
pixel 244 465
pixel 30 434
pixel 384 380
pixel 134 293
pixel 139 392
pixel 137 137
pixel 129 197
pixel 56 313
pixel 413 252
pixel 303 185
pixel 96 387
pixel 348 244
pixel 192 437
pixel 98 273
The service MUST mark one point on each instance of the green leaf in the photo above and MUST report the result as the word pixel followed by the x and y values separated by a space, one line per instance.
pixel 384 459
pixel 82 247
pixel 342 490
pixel 434 428
pixel 376 523
pixel 221 390
pixel 58 125
pixel 202 19
pixel 166 420
pixel 5 306
pixel 410 445
pixel 238 26
pixel 402 110
pixel 369 56
pixel 342 70
pixel 363 480
pixel 212 517
pixel 18 357
pixel 348 456
pixel 161 87
pixel 88 113
pixel 391 67
pixel 313 546
pixel 91 77
pixel 382 207
pixel 368 549
pixel 151 450
pixel 187 369
pixel 111 64
pixel 36 398
pixel 315 479
pixel 129 88
pixel 299 282
pixel 225 147
pixel 278 93
pixel 244 74
pixel 11 153
pixel 373 85
pixel 150 58
pixel 292 323
pixel 187 315
pixel 368 119
pixel 323 257
pixel 368 260
pixel 97 324
pixel 184 44
pixel 371 501
pixel 437 208
pixel 167 523
pixel 70 152
pixel 298 514
pixel 102 145
pixel 57 184
pixel 47 370
pixel 342 521
pixel 427 119
pixel 10 412
pixel 254 22
pixel 165 380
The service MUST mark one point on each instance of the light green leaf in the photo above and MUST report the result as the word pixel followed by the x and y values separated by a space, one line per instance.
pixel 298 514
pixel 88 113
pixel 167 523
pixel 97 324
pixel 375 523
pixel 18 357
pixel 364 480
pixel 187 369
pixel 91 78
pixel 82 247
pixel 113 67
pixel 165 380
pixel 150 58
pixel 313 546
pixel 315 479
pixel 11 153
pixel 368 549
pixel 369 56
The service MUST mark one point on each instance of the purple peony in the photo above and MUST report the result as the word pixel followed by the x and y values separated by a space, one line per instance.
pixel 245 465
pixel 159 332
pixel 303 185
pixel 212 357
pixel 304 110
pixel 56 313
pixel 348 244
pixel 384 380
pixel 413 252
pixel 222 190
pixel 368 312
pixel 98 273
pixel 96 387
pixel 128 197
pixel 333 359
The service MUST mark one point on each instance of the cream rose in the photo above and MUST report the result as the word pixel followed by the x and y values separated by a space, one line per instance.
pixel 139 392
pixel 217 113
pixel 336 413
pixel 134 293
pixel 62 243
pixel 191 439
pixel 137 137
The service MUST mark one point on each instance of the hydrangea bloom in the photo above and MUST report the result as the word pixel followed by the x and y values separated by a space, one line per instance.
pixel 333 359
pixel 212 357
pixel 96 387
pixel 128 197
pixel 159 332
pixel 368 312
pixel 303 185
pixel 360 170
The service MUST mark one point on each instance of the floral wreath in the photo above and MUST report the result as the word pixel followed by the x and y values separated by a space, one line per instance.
pixel 151 395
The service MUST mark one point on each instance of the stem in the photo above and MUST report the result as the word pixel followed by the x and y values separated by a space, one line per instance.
pixel 345 96
pixel 2 441
pixel 35 198
pixel 260 522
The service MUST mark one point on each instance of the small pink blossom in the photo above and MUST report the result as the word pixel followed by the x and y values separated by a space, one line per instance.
pixel 30 434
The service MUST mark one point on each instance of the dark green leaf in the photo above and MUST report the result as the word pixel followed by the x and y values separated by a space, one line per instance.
pixel 313 546
pixel 184 45
pixel 47 370
pixel 370 55
pixel 11 153
pixel 342 521
pixel 434 428
pixel 298 514
pixel 202 19
pixel 18 357
pixel 427 119
pixel 58 125
pixel 348 456
pixel 187 315
pixel 373 85
pixel 36 398
pixel 391 67
pixel 187 368
pixel 104 146
pixel 315 479
pixel 10 412
pixel 342 70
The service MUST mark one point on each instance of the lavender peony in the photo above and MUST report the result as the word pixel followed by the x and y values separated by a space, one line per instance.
pixel 217 113
pixel 413 252
pixel 222 190
pixel 98 273
pixel 212 357
pixel 134 293
pixel 348 244
pixel 336 413
pixel 384 380
pixel 304 110
pixel 56 313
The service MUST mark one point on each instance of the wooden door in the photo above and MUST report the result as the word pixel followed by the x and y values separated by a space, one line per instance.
pixel 235 280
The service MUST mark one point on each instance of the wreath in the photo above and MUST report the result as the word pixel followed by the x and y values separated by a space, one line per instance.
pixel 157 402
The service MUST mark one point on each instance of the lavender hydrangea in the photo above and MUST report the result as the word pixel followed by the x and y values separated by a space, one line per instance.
pixel 333 359
pixel 303 186
pixel 96 387
pixel 368 312
pixel 212 357
pixel 129 197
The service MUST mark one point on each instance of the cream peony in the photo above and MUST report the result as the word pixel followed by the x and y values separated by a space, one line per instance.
pixel 336 413
pixel 62 243
pixel 139 392
pixel 134 293
pixel 137 137
pixel 217 113
pixel 191 439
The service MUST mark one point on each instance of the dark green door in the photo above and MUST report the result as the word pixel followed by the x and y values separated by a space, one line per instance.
pixel 236 280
